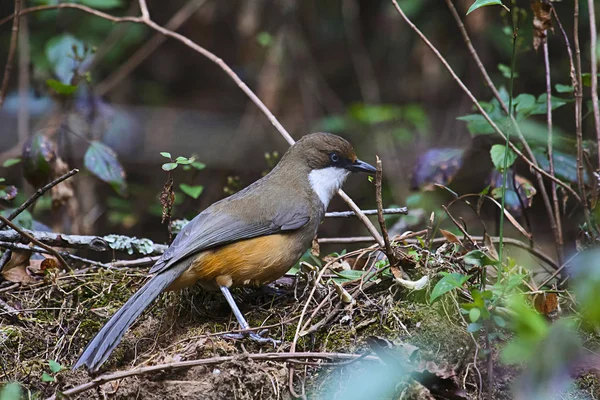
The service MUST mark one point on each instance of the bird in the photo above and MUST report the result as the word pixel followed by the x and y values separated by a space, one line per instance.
pixel 250 238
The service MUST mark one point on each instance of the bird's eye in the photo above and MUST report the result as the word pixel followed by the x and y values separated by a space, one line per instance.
pixel 334 157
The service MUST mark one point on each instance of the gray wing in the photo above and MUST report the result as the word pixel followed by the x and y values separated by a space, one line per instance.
pixel 211 229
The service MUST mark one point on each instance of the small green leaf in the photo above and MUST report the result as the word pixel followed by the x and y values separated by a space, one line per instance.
pixel 165 154
pixel 48 378
pixel 265 39
pixel 474 314
pixel 198 165
pixel 502 156
pixel 169 166
pixel 483 3
pixel 447 283
pixel 55 366
pixel 184 160
pixel 192 191
pixel 505 70
pixel 479 258
pixel 563 88
pixel 10 162
pixel 586 79
pixel 61 88
pixel 473 327
pixel 499 321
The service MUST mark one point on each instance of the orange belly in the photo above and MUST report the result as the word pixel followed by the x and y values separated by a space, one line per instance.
pixel 249 262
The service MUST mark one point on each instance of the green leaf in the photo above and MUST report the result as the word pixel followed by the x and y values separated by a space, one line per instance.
pixel 102 162
pixel 474 314
pixel 586 79
pixel 38 153
pixel 169 166
pixel 55 366
pixel 198 165
pixel 11 391
pixel 479 258
pixel 563 88
pixel 447 283
pixel 505 70
pixel 61 88
pixel 483 3
pixel 265 39
pixel 48 378
pixel 499 321
pixel 184 160
pixel 474 327
pixel 192 191
pixel 502 156
pixel 524 104
pixel 348 275
pixel 165 154
pixel 10 162
pixel 103 4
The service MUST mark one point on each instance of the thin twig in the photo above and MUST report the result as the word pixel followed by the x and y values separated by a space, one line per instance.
pixel 144 10
pixel 211 361
pixel 39 193
pixel 384 233
pixel 35 241
pixel 594 70
pixel 148 47
pixel 461 228
pixel 558 235
pixel 11 54
pixel 386 211
pixel 575 73
pixel 479 107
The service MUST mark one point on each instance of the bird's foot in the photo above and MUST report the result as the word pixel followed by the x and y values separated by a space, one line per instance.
pixel 257 337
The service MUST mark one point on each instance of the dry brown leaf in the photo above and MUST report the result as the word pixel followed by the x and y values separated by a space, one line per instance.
pixel 542 21
pixel 315 249
pixel 15 269
pixel 451 237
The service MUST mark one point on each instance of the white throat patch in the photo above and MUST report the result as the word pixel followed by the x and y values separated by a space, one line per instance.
pixel 327 181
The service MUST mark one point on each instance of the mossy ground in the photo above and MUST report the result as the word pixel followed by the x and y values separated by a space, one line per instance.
pixel 58 317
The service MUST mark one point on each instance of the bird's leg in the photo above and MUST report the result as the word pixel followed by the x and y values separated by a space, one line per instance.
pixel 242 321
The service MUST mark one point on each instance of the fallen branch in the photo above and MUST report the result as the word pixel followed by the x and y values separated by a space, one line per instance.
pixel 102 379
pixel 35 241
pixel 386 211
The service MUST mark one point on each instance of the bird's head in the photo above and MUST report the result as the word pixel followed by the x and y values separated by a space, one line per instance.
pixel 328 159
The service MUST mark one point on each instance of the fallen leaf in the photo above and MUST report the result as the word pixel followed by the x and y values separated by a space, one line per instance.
pixel 15 269
pixel 451 237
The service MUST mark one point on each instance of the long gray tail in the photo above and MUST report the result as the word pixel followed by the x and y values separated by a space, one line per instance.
pixel 98 350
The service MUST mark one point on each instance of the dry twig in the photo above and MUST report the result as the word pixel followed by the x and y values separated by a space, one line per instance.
pixel 11 54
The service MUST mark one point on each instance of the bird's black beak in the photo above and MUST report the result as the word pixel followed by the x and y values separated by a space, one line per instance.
pixel 361 166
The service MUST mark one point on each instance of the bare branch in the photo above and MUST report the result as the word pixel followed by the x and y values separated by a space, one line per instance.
pixel 594 70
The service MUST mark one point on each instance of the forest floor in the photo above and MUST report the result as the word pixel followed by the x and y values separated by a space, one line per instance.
pixel 424 350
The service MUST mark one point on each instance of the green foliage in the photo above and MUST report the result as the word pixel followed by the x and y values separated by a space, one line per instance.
pixel 191 190
pixel 502 156
pixel 479 258
pixel 102 4
pixel 265 39
pixel 11 391
pixel 102 162
pixel 483 3
pixel 449 281
pixel 186 162
pixel 61 88
pixel 10 162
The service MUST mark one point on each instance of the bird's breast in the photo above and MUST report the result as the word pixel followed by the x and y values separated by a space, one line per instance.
pixel 251 262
